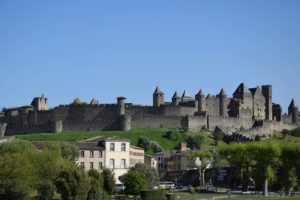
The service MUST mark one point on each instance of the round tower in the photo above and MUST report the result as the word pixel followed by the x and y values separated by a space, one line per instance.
pixel 293 111
pixel 158 97
pixel 201 102
pixel 121 105
pixel 223 103
pixel 175 99
pixel 125 124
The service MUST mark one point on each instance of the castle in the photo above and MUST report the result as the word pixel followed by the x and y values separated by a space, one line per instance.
pixel 248 112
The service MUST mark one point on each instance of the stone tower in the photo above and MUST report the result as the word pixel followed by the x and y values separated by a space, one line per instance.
pixel 267 92
pixel 40 103
pixel 293 111
pixel 201 102
pixel 175 99
pixel 158 97
pixel 121 105
pixel 223 103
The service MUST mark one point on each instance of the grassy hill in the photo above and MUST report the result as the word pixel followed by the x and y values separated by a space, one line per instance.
pixel 157 135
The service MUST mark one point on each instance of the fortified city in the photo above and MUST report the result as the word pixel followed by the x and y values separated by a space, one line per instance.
pixel 248 112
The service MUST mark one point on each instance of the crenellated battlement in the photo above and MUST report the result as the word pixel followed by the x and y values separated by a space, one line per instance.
pixel 240 111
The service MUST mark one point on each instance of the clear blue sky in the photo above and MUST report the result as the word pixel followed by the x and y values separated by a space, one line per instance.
pixel 105 49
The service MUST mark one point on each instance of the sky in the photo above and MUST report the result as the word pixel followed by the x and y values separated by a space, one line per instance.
pixel 104 49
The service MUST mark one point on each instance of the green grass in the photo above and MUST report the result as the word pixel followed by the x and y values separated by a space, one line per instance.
pixel 133 135
pixel 250 197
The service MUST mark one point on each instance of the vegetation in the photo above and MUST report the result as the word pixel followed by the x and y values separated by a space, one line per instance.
pixel 28 173
pixel 155 136
pixel 150 173
pixel 264 161
pixel 134 182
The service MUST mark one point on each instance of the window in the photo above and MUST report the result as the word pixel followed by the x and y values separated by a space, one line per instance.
pixel 100 154
pixel 82 164
pixel 91 165
pixel 82 153
pixel 91 154
pixel 112 163
pixel 100 165
pixel 112 147
pixel 123 163
pixel 123 147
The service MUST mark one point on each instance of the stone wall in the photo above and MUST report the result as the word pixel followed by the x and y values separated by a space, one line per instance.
pixel 156 121
pixel 48 127
pixel 97 125
pixel 196 123
pixel 213 121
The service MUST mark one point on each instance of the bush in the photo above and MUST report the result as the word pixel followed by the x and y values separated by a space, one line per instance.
pixel 144 142
pixel 191 189
pixel 194 142
pixel 152 194
pixel 295 132
pixel 171 135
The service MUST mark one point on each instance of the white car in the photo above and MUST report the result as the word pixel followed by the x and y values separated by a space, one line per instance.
pixel 119 188
pixel 169 185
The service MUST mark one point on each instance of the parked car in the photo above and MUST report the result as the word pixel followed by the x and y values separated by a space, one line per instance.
pixel 179 186
pixel 161 186
pixel 119 188
pixel 169 185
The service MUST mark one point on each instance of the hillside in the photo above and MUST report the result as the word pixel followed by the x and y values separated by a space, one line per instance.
pixel 157 135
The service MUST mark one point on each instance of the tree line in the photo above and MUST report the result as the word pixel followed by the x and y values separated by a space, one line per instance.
pixel 264 162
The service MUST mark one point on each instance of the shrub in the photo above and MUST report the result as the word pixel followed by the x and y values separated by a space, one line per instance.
pixel 152 194
pixel 295 132
pixel 171 135
pixel 191 189
pixel 144 142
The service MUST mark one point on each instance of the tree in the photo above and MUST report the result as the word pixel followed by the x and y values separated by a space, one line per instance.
pixel 290 159
pixel 217 135
pixel 239 155
pixel 96 190
pixel 266 155
pixel 205 158
pixel 16 179
pixel 108 181
pixel 72 183
pixel 134 181
pixel 150 173
pixel 194 143
pixel 285 132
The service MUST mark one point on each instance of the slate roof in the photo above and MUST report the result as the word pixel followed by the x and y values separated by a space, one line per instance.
pixel 242 89
pixel 157 91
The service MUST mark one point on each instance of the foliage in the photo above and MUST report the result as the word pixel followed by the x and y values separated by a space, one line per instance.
pixel 194 143
pixel 152 194
pixel 171 135
pixel 108 181
pixel 144 142
pixel 16 182
pixel 147 144
pixel 150 173
pixel 96 190
pixel 295 132
pixel 240 156
pixel 134 134
pixel 134 181
pixel 266 156
pixel 217 135
pixel 285 132
pixel 290 159
pixel 191 189
pixel 72 183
